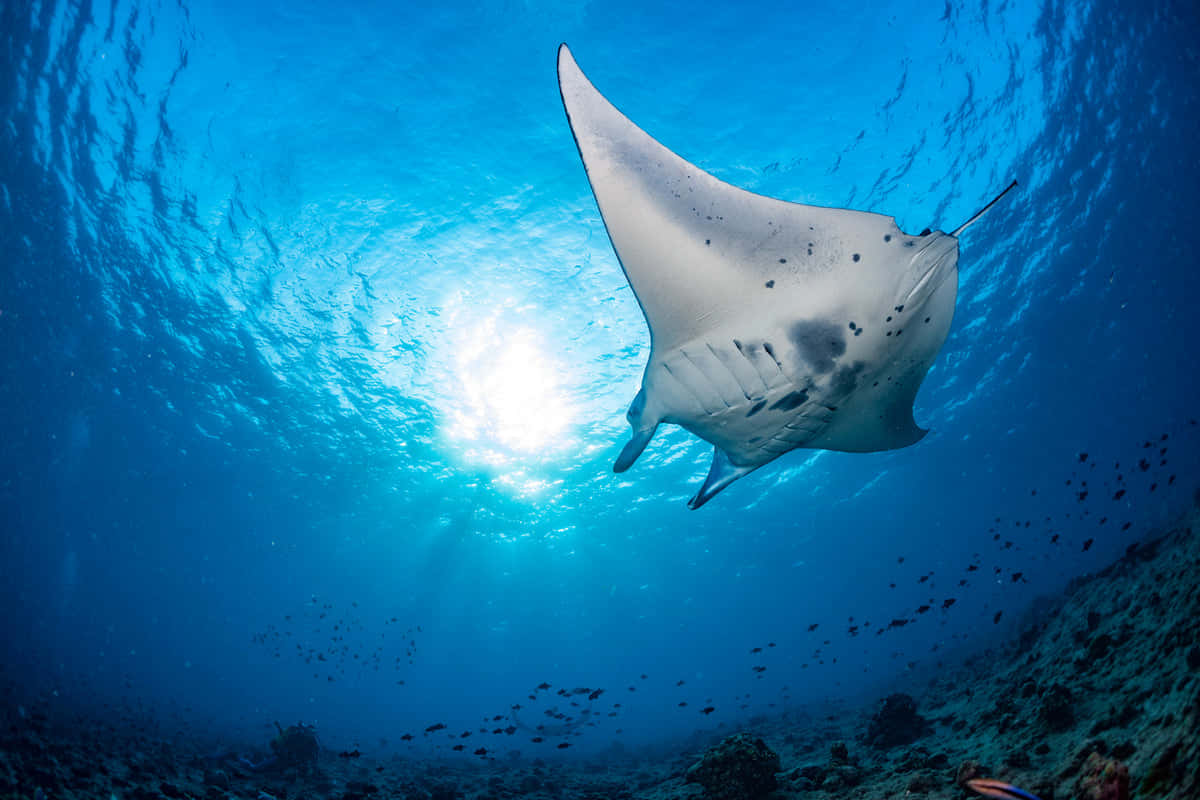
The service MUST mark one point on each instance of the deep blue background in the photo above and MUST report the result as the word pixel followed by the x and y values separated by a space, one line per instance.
pixel 308 308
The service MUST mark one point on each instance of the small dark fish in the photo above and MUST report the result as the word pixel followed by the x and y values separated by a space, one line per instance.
pixel 755 649
pixel 595 694
pixel 349 753
pixel 759 669
pixel 973 568
pixel 1016 576
pixel 563 745
pixel 408 737
pixel 949 601
pixel 644 676
pixel 812 627
pixel 1087 545
pixel 707 710
pixel 436 727
pixel 922 609
pixel 481 751
pixel 459 747
pixel 537 740
pixel 683 703
pixel 996 617
pixel 543 685
pixel 770 644
pixel 680 683
pixel 999 790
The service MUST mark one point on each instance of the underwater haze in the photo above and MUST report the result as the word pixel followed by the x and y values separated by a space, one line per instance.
pixel 316 356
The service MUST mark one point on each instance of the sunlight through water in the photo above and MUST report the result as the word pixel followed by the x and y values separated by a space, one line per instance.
pixel 509 402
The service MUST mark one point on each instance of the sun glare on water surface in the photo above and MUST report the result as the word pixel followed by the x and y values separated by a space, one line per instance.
pixel 510 402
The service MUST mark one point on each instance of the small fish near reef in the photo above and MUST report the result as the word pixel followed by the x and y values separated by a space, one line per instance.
pixel 999 790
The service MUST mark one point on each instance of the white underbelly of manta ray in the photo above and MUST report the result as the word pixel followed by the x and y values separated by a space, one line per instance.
pixel 773 325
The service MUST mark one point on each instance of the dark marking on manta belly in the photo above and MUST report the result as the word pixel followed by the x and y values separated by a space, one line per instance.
pixel 819 343
pixel 790 401
pixel 845 379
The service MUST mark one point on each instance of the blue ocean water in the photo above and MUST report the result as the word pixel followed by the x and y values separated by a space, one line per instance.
pixel 316 356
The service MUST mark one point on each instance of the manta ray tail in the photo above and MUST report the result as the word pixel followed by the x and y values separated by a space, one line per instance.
pixel 981 211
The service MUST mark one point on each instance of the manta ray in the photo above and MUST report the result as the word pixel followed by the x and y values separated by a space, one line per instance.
pixel 773 325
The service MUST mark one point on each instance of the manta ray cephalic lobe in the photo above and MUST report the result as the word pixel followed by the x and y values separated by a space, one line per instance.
pixel 773 325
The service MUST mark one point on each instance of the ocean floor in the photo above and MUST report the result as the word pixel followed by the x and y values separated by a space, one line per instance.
pixel 1097 698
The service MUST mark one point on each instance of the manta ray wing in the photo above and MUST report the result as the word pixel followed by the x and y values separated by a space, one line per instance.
pixel 773 325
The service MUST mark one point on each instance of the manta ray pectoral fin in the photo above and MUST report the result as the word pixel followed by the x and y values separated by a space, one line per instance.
pixel 722 473
pixel 633 448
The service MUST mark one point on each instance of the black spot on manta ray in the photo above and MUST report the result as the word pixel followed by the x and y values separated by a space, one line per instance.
pixel 856 256
pixel 819 343
pixel 852 326
pixel 783 261
pixel 887 237
pixel 770 284
pixel 790 401
pixel 708 241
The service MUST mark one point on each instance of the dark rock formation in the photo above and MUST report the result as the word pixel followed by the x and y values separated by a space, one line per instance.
pixel 740 768
pixel 896 723
pixel 1057 710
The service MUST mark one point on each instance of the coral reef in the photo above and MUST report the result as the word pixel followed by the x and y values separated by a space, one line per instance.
pixel 296 747
pixel 1103 779
pixel 896 723
pixel 740 768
